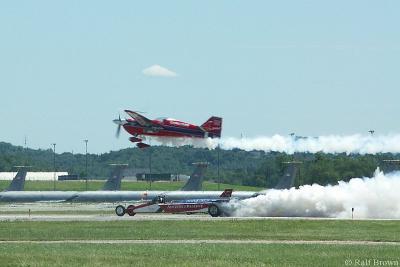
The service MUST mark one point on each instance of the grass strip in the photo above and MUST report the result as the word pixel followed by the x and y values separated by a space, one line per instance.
pixel 192 255
pixel 213 229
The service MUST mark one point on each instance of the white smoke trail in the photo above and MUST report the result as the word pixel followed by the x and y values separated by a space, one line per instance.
pixel 376 197
pixel 351 144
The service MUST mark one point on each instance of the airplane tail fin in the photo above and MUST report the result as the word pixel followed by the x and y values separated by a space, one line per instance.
pixel 287 180
pixel 114 181
pixel 17 184
pixel 213 126
pixel 227 193
pixel 196 179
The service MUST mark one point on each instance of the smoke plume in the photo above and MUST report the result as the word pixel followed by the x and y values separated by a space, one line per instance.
pixel 351 144
pixel 376 197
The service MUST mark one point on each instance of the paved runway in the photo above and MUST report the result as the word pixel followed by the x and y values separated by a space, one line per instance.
pixel 59 207
pixel 79 217
pixel 49 211
pixel 142 217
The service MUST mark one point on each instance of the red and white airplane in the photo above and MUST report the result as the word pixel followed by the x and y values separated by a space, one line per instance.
pixel 140 126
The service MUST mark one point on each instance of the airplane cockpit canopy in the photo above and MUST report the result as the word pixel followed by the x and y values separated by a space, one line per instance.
pixel 160 119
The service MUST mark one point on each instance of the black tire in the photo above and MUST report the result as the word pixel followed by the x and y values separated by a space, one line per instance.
pixel 129 210
pixel 120 210
pixel 214 210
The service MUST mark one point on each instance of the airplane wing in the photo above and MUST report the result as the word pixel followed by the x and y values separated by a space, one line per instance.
pixel 142 120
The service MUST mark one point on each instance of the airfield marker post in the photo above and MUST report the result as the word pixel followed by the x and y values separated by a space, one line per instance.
pixel 150 176
pixel 219 181
pixel 86 159
pixel 54 166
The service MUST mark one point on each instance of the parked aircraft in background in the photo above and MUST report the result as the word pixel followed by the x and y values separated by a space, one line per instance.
pixel 287 180
pixel 18 183
pixel 195 183
pixel 114 181
pixel 109 193
pixel 140 127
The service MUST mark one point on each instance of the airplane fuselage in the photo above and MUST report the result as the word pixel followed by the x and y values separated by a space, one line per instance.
pixel 165 128
pixel 139 126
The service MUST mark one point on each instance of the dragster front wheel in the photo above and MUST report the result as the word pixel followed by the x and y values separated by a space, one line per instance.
pixel 120 210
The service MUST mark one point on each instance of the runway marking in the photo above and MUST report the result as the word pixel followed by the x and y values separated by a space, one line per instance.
pixel 206 241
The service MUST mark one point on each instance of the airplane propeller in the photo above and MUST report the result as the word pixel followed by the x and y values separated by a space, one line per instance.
pixel 118 131
pixel 119 122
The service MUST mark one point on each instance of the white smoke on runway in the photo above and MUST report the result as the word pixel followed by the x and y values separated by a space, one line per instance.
pixel 350 144
pixel 376 197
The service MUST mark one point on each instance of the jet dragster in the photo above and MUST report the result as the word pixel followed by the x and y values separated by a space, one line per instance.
pixel 196 204
pixel 139 127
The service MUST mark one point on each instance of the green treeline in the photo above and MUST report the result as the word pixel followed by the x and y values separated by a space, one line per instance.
pixel 254 168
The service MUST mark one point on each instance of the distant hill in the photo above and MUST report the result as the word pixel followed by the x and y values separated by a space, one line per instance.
pixel 254 168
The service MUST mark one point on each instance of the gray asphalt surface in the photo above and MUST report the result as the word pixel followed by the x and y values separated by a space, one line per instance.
pixel 49 211
pixel 141 217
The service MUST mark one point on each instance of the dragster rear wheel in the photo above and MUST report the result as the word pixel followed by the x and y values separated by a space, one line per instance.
pixel 120 210
pixel 214 210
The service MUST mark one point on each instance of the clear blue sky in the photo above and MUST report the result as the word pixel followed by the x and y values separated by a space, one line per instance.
pixel 267 67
